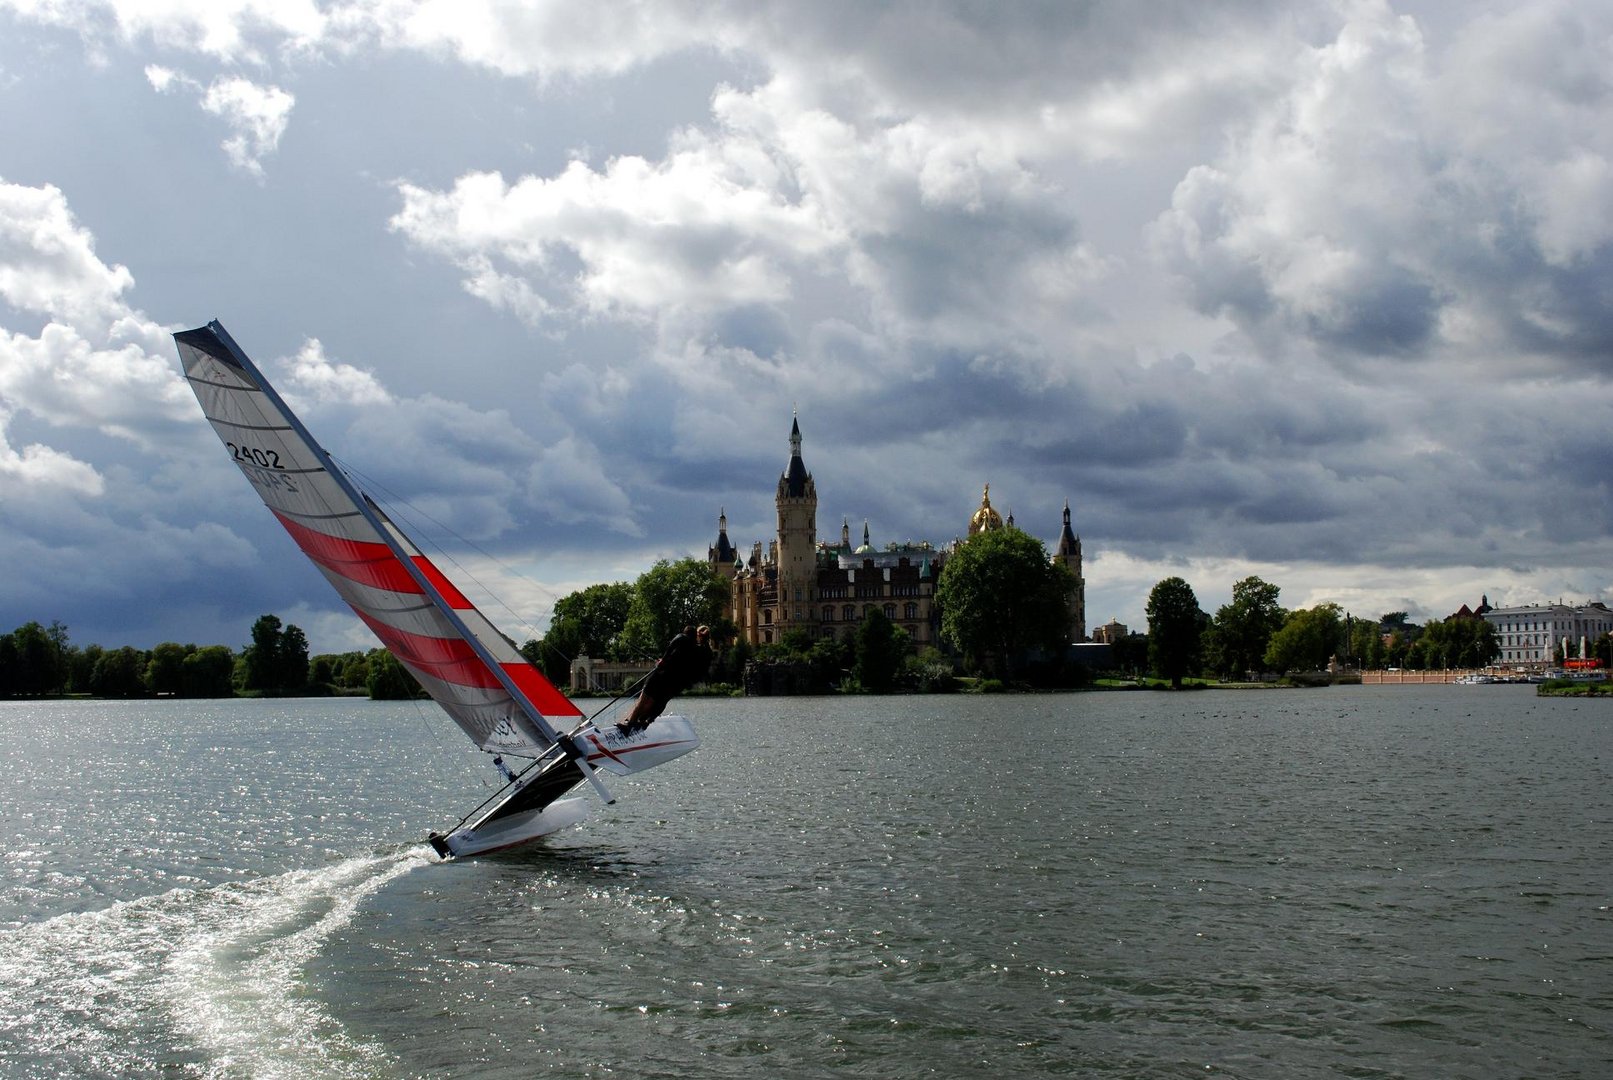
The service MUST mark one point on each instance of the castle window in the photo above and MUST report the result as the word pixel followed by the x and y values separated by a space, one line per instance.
pixel 912 611
pixel 828 614
pixel 890 611
pixel 850 613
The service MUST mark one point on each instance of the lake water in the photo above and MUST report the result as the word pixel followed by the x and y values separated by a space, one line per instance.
pixel 1362 882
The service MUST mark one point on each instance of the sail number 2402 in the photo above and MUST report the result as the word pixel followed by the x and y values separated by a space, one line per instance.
pixel 262 467
pixel 251 455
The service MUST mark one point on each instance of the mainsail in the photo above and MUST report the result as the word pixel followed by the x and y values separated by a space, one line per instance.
pixel 475 673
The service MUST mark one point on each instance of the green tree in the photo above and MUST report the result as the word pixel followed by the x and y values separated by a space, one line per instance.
pixel 1238 635
pixel 10 670
pixel 262 657
pixel 1000 596
pixel 351 670
pixel 40 666
pixel 322 669
pixel 207 672
pixel 588 622
pixel 119 673
pixel 1453 643
pixel 1309 638
pixel 1175 628
pixel 881 646
pixel 277 660
pixel 1129 655
pixel 666 598
pixel 292 661
pixel 1364 642
pixel 729 664
pixel 165 669
pixel 81 668
pixel 390 680
pixel 599 614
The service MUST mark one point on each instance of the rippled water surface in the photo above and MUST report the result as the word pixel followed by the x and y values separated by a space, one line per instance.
pixel 1366 882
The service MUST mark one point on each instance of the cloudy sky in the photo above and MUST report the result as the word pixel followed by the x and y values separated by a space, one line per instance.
pixel 1317 291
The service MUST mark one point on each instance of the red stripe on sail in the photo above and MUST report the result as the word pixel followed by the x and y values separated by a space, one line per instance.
pixel 451 660
pixel 452 595
pixel 368 562
pixel 540 691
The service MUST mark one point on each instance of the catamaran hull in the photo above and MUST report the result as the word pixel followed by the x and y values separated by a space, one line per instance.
pixel 533 808
pixel 513 831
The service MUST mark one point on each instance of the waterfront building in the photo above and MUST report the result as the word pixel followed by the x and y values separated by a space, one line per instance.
pixel 1110 632
pixel 799 582
pixel 1534 635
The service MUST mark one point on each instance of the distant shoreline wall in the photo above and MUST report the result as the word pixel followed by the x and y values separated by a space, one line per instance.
pixel 1396 678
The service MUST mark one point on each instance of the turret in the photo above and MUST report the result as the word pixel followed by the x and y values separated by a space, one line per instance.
pixel 797 504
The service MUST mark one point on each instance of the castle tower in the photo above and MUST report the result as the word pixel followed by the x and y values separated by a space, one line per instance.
pixel 722 555
pixel 797 504
pixel 723 558
pixel 1069 553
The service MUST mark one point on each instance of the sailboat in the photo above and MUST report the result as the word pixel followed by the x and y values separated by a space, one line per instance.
pixel 478 676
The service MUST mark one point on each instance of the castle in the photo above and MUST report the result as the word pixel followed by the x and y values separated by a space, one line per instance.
pixel 803 583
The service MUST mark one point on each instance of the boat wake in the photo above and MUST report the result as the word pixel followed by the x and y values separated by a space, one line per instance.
pixel 199 981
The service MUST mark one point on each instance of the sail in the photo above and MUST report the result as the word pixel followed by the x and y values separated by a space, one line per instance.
pixel 474 672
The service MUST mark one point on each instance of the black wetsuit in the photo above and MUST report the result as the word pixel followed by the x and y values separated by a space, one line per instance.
pixel 685 663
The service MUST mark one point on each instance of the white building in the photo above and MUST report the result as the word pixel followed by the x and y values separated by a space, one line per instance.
pixel 1534 635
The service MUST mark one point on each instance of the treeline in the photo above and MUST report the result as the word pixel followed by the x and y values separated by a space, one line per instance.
pixel 40 661
pixel 628 621
pixel 1004 607
pixel 1254 636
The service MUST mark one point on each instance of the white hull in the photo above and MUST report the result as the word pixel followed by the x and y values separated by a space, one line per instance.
pixel 518 829
pixel 611 751
pixel 607 750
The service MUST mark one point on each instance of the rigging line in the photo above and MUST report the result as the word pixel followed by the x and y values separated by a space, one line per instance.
pixel 396 500
pixel 620 694
pixel 436 736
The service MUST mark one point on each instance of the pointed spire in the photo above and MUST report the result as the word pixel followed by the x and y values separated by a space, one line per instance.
pixel 796 478
pixel 723 551
pixel 1069 543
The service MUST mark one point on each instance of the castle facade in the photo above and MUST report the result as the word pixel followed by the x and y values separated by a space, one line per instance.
pixel 826 589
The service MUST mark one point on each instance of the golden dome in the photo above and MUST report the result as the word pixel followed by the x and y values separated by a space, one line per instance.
pixel 985 518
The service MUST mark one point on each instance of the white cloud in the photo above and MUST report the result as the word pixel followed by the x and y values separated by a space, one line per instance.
pixel 39 466
pixel 699 230
pixel 543 38
pixel 1394 203
pixel 162 79
pixel 94 364
pixel 257 116
pixel 48 264
pixel 218 28
pixel 323 380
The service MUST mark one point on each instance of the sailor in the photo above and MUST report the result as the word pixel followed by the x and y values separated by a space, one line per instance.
pixel 686 662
